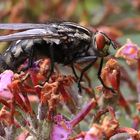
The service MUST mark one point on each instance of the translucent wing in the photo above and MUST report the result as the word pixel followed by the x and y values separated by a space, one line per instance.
pixel 49 30
pixel 21 26
pixel 29 34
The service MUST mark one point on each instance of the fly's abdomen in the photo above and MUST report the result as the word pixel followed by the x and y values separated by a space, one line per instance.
pixel 17 53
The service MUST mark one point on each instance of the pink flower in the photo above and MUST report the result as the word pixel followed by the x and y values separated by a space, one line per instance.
pixel 5 80
pixel 62 129
pixel 129 51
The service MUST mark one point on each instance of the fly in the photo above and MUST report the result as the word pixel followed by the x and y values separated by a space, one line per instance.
pixel 64 42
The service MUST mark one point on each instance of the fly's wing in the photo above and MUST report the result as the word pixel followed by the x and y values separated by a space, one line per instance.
pixel 22 26
pixel 50 30
pixel 32 31
pixel 30 34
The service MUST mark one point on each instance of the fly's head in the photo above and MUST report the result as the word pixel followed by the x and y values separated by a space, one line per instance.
pixel 101 43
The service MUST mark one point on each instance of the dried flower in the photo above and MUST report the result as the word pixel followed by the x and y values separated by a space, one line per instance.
pixel 130 52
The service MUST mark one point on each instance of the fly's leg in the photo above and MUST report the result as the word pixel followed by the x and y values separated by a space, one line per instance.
pixel 74 72
pixel 81 75
pixel 101 80
pixel 85 59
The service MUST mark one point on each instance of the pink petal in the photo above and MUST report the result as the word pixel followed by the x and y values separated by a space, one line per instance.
pixel 61 130
pixel 5 79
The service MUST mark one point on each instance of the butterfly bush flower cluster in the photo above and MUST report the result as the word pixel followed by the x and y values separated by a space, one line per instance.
pixel 33 108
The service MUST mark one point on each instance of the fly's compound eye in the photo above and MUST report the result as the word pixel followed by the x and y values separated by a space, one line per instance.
pixel 101 43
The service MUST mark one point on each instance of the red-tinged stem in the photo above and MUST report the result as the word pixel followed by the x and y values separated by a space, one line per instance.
pixel 81 115
pixel 27 102
pixel 99 114
pixel 128 130
pixel 17 98
pixel 21 103
pixel 29 89
pixel 111 111
pixel 33 77
pixel 124 103
pixel 5 103
pixel 121 136
pixel 138 80
pixel 136 122
pixel 12 110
